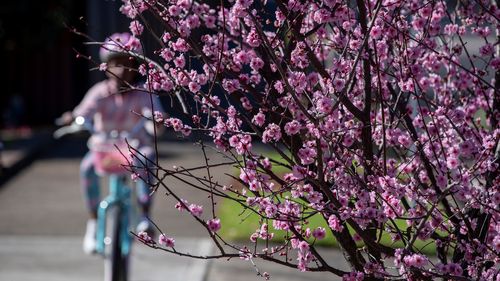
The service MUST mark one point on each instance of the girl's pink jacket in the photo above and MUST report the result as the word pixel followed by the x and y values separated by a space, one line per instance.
pixel 111 110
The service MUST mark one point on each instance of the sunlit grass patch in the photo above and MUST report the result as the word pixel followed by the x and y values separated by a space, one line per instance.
pixel 238 225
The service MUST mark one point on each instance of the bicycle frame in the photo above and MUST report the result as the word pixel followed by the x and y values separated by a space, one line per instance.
pixel 114 212
pixel 119 195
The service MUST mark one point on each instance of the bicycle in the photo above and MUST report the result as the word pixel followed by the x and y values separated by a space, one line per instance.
pixel 113 238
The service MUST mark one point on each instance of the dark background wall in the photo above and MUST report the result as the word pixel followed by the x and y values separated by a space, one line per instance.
pixel 40 74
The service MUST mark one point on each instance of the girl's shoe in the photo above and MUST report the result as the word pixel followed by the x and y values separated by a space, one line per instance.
pixel 89 240
pixel 145 225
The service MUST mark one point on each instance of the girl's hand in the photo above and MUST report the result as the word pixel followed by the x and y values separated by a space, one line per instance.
pixel 65 119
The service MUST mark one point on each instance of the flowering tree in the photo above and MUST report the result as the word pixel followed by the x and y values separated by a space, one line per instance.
pixel 384 113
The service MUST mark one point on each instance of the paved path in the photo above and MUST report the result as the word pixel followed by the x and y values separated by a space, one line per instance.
pixel 42 221
pixel 60 258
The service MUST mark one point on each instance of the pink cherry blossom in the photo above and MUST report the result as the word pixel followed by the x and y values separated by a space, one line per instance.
pixel 334 223
pixel 259 119
pixel 231 85
pixel 292 127
pixel 103 66
pixel 136 28
pixel 271 133
pixel 144 236
pixel 166 241
pixel 319 233
pixel 253 39
pixel 214 225
pixel 196 210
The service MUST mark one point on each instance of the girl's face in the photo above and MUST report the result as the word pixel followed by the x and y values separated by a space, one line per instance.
pixel 120 69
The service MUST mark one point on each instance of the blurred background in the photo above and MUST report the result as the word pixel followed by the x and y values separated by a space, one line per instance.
pixel 42 213
pixel 41 75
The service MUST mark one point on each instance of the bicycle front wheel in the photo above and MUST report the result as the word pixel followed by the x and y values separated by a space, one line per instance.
pixel 115 263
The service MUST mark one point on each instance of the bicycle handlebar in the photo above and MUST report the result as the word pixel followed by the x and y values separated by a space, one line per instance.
pixel 69 129
pixel 80 124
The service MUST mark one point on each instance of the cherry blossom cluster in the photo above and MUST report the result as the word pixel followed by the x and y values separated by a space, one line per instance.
pixel 383 113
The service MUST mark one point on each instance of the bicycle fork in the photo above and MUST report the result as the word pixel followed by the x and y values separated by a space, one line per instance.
pixel 119 197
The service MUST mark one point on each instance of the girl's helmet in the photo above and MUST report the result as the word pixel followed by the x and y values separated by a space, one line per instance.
pixel 119 44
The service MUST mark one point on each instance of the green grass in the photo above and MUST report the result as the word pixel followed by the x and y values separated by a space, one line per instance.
pixel 238 226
